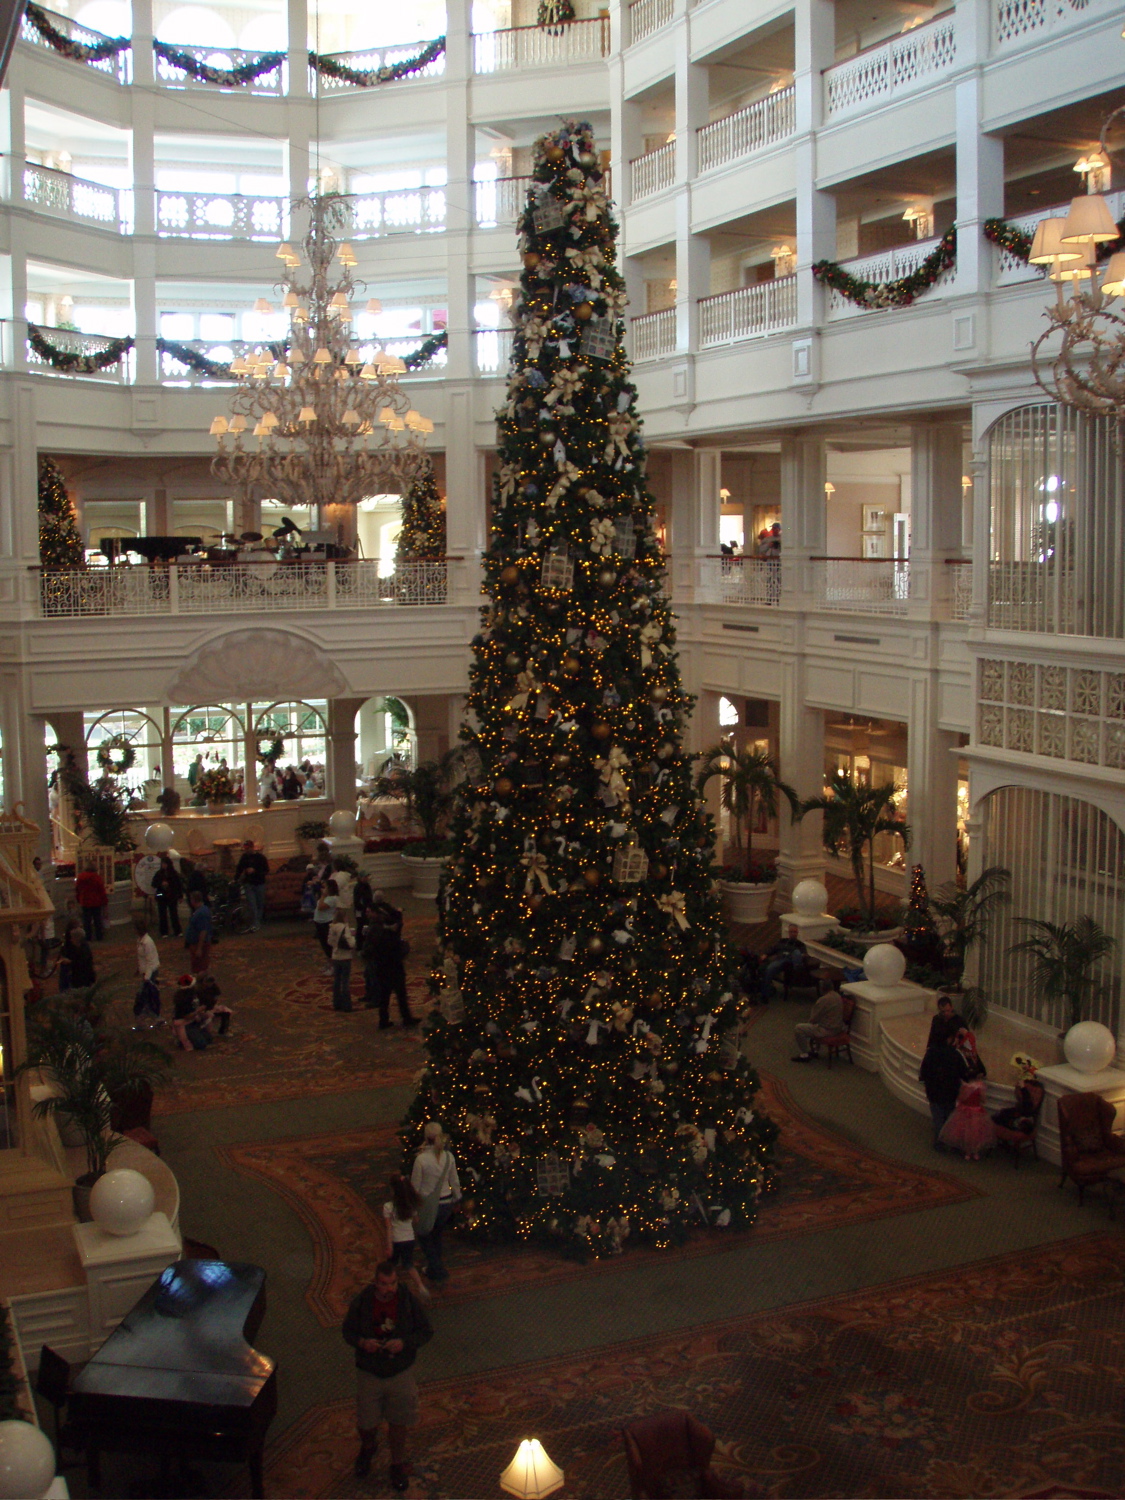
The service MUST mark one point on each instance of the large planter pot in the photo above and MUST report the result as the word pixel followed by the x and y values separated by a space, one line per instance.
pixel 80 1193
pixel 747 903
pixel 425 874
pixel 215 808
pixel 869 939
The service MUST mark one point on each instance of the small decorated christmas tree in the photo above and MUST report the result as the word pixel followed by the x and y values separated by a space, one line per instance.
pixel 422 538
pixel 584 1056
pixel 919 932
pixel 60 542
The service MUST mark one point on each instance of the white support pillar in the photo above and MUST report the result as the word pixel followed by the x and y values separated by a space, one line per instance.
pixel 931 779
pixel 980 163
pixel 814 35
pixel 693 251
pixel 341 751
pixel 297 17
pixel 935 512
pixel 804 518
pixel 801 763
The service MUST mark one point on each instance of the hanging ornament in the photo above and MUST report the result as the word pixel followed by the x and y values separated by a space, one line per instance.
pixel 558 567
pixel 598 338
pixel 630 863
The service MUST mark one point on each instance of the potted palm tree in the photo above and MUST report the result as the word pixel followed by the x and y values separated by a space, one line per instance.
pixel 89 1064
pixel 428 792
pixel 965 916
pixel 750 785
pixel 854 817
pixel 1065 958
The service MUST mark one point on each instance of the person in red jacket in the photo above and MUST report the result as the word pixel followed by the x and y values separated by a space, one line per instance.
pixel 93 898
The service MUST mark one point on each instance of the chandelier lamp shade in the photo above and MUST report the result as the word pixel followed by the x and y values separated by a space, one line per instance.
pixel 1079 359
pixel 318 419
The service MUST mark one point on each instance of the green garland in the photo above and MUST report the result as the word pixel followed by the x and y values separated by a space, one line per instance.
pixel 76 51
pixel 426 351
pixel 900 293
pixel 365 78
pixel 126 759
pixel 1017 241
pixel 71 363
pixel 554 15
pixel 226 78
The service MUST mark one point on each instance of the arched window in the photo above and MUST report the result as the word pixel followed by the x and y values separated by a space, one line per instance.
pixel 303 727
pixel 215 731
pixel 728 714
pixel 130 745
pixel 384 728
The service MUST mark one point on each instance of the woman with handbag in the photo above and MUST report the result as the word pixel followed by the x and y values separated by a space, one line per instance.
pixel 434 1179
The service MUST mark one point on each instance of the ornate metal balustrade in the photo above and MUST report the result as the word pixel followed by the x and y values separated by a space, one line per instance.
pixel 888 265
pixel 72 342
pixel 1066 713
pixel 647 16
pixel 367 62
pixel 1018 22
pixel 76 198
pixel 653 172
pixel 960 590
pixel 532 47
pixel 901 66
pixel 228 58
pixel 119 67
pixel 246 588
pixel 405 211
pixel 221 216
pixel 759 124
pixel 492 349
pixel 743 580
pixel 749 312
pixel 654 334
pixel 500 201
pixel 856 585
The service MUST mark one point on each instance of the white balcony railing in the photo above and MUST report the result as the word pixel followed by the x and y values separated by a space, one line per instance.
pixel 72 342
pixel 75 198
pixel 368 62
pixel 227 58
pixel 500 200
pixel 492 349
pixel 654 334
pixel 857 585
pixel 744 580
pixel 532 47
pixel 888 265
pixel 960 590
pixel 654 171
pixel 120 66
pixel 749 312
pixel 901 66
pixel 759 124
pixel 647 16
pixel 406 211
pixel 172 372
pixel 1010 269
pixel 221 216
pixel 1016 22
pixel 248 588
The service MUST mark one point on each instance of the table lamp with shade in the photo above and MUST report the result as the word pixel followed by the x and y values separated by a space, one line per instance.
pixel 531 1474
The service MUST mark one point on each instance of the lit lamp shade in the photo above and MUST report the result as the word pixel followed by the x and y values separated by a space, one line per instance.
pixel 322 356
pixel 262 306
pixel 374 305
pixel 1114 283
pixel 285 252
pixel 1076 270
pixel 393 365
pixel 1047 247
pixel 1089 221
pixel 237 424
pixel 369 372
pixel 218 426
pixel 531 1474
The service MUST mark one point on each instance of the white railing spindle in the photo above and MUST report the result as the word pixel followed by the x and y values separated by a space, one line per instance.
pixel 901 66
pixel 533 47
pixel 647 16
pixel 654 171
pixel 759 124
pixel 749 312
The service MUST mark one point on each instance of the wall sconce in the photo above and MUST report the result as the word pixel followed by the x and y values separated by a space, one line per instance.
pixel 829 487
pixel 1095 168
pixel 531 1475
pixel 784 260
pixel 966 483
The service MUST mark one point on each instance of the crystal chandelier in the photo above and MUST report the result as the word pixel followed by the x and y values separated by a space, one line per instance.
pixel 1087 370
pixel 331 425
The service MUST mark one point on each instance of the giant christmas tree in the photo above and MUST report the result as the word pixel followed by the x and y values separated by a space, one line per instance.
pixel 422 538
pixel 60 542
pixel 583 1058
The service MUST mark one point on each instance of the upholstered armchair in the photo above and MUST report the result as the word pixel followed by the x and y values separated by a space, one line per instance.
pixel 1090 1150
pixel 661 1451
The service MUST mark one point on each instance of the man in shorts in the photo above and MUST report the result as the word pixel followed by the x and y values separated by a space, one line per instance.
pixel 386 1327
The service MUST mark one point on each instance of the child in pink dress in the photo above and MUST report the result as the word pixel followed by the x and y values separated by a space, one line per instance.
pixel 969 1129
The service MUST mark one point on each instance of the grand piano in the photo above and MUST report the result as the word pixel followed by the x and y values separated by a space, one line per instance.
pixel 178 1377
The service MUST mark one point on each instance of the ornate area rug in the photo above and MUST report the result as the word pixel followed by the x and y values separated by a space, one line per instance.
pixel 337 1184
pixel 286 1041
pixel 1004 1377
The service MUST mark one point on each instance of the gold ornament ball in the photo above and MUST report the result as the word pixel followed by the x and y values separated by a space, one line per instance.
pixel 546 438
pixel 510 574
pixel 570 665
pixel 607 578
pixel 555 154
pixel 659 694
pixel 503 786
pixel 592 877
pixel 601 730
pixel 536 901
pixel 561 758
pixel 584 312
pixel 659 871
pixel 594 945
pixel 513 662
pixel 531 259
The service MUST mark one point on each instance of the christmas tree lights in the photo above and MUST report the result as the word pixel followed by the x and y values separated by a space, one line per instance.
pixel 60 541
pixel 422 538
pixel 584 1055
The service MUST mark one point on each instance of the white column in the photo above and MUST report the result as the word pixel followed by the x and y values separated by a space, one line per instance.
pixel 980 157
pixel 931 779
pixel 341 751
pixel 801 763
pixel 935 512
pixel 143 60
pixel 297 18
pixel 804 519
pixel 814 38
pixel 12 136
pixel 693 252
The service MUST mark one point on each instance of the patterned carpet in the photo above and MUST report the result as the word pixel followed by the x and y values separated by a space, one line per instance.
pixel 337 1185
pixel 1002 1378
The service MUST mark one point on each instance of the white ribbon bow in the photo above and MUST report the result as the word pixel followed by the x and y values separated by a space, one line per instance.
pixel 602 535
pixel 621 427
pixel 526 684
pixel 673 905
pixel 535 864
pixel 611 769
pixel 568 473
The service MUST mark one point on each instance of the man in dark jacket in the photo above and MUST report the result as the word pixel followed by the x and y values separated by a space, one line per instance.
pixel 252 870
pixel 942 1073
pixel 384 971
pixel 386 1327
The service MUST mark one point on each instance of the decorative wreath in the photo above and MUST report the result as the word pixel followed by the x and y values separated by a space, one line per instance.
pixel 116 755
pixel 270 748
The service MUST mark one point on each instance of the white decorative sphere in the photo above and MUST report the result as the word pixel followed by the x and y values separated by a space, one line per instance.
pixel 158 837
pixel 1089 1047
pixel 27 1462
pixel 342 824
pixel 121 1201
pixel 884 964
pixel 810 898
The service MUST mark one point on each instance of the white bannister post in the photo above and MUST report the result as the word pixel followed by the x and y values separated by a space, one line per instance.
pixel 173 595
pixel 330 584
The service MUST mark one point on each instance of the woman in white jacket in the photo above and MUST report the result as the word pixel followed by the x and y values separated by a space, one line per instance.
pixel 434 1179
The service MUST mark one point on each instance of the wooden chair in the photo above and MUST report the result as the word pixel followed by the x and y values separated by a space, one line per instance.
pixel 1090 1150
pixel 1017 1141
pixel 256 833
pixel 840 1041
pixel 200 848
pixel 672 1443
